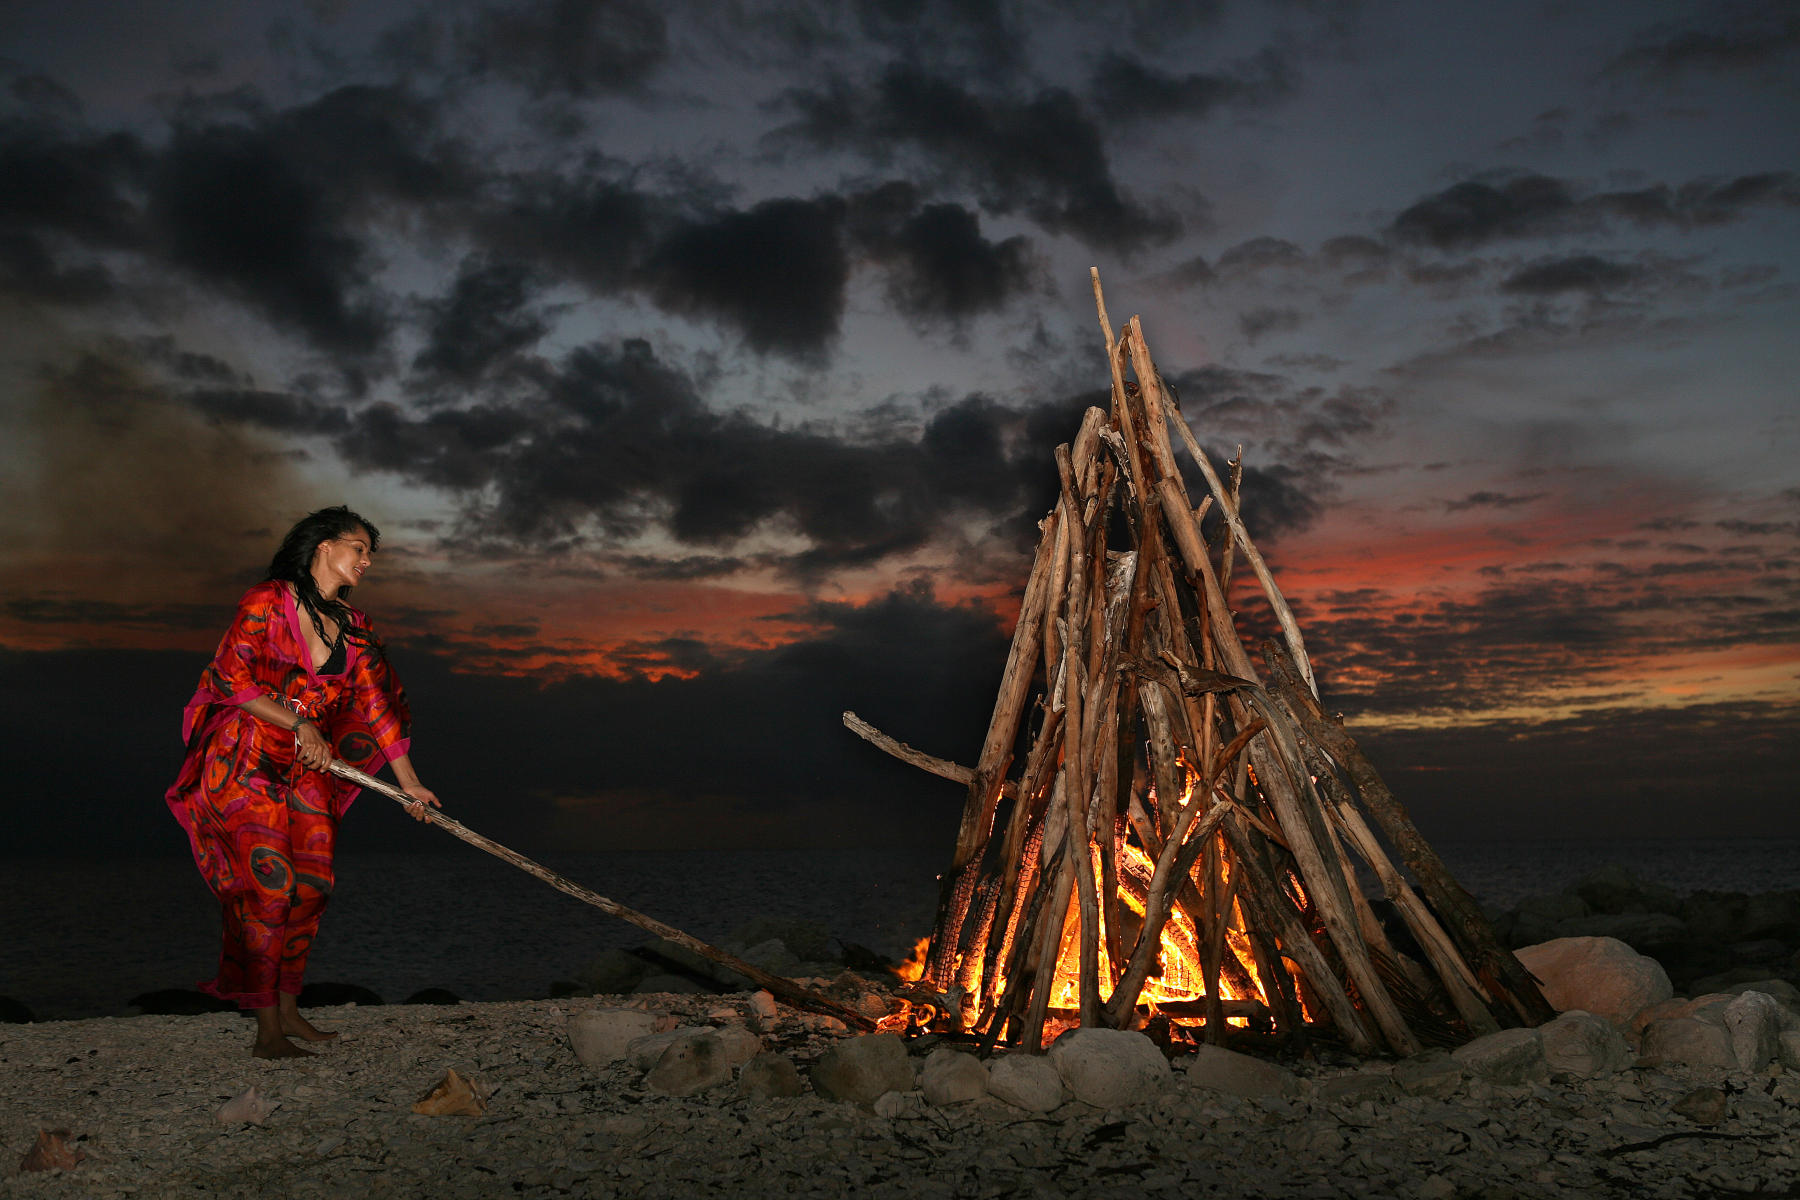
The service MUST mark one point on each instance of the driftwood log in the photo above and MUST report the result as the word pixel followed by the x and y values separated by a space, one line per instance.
pixel 786 989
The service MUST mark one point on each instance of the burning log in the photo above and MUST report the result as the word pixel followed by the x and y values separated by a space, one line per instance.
pixel 1182 842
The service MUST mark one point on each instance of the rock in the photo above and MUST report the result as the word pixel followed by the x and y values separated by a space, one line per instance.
pixel 769 1076
pixel 1536 917
pixel 1690 1041
pixel 899 1104
pixel 325 995
pixel 1510 1056
pixel 764 1012
pixel 1788 1045
pixel 860 1069
pixel 1110 1068
pixel 1613 889
pixel 1026 1081
pixel 644 1052
pixel 1431 1073
pixel 452 1096
pixel 1709 1008
pixel 51 1152
pixel 1354 1089
pixel 600 1036
pixel 1733 980
pixel 809 941
pixel 14 1013
pixel 249 1108
pixel 1222 1070
pixel 433 995
pixel 1579 1043
pixel 1785 993
pixel 950 1076
pixel 689 1065
pixel 1640 930
pixel 1754 1022
pixel 740 1044
pixel 613 972
pixel 1771 915
pixel 1702 1106
pixel 1599 975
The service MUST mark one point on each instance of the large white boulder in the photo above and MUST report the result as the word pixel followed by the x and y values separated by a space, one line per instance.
pixel 1600 975
pixel 1754 1022
pixel 1510 1056
pixel 600 1035
pixel 1026 1081
pixel 951 1076
pixel 1109 1068
pixel 1580 1043
pixel 690 1065
pixel 861 1069
pixel 1222 1070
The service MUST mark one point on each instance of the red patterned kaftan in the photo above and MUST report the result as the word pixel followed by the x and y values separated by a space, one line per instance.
pixel 264 828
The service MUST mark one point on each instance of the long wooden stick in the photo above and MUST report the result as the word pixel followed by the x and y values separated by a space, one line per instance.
pixel 787 989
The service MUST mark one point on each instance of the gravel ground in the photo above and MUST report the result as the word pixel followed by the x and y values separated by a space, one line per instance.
pixel 138 1097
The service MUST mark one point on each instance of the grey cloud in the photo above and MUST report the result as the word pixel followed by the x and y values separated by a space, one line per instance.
pixel 1501 500
pixel 1126 87
pixel 579 48
pixel 1726 38
pixel 1043 156
pixel 485 318
pixel 1577 273
pixel 776 272
pixel 1480 211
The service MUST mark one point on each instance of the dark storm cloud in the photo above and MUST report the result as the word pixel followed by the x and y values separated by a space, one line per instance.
pixel 1500 500
pixel 1124 86
pixel 1724 39
pixel 776 272
pixel 29 271
pixel 1259 321
pixel 579 48
pixel 613 443
pixel 939 263
pixel 1577 273
pixel 1479 211
pixel 273 206
pixel 1043 156
pixel 485 318
pixel 1260 253
pixel 281 411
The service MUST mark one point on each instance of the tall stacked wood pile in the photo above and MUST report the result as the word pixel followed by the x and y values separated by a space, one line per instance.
pixel 1157 831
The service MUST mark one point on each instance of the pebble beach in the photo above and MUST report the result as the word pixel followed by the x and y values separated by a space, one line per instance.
pixel 139 1100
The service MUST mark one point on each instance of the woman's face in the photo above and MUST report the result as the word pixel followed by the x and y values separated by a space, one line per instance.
pixel 340 562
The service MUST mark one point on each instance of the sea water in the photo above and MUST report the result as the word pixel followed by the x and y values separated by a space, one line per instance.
pixel 79 939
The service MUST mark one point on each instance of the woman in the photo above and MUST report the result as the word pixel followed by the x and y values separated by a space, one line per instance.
pixel 298 677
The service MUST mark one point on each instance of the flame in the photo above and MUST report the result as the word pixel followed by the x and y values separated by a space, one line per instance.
pixel 913 969
pixel 1179 975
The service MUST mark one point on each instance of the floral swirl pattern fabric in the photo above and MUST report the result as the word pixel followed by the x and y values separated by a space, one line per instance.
pixel 263 828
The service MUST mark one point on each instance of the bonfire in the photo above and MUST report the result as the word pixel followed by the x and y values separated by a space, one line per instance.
pixel 1189 845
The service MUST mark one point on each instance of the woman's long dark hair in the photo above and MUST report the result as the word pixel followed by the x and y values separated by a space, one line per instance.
pixel 293 564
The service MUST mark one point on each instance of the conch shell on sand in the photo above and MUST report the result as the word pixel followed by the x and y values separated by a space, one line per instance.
pixel 453 1096
pixel 51 1152
pixel 250 1108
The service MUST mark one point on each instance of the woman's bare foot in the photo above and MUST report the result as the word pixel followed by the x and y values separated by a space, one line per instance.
pixel 295 1025
pixel 292 1024
pixel 278 1047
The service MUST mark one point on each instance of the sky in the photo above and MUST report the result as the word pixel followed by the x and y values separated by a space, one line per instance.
pixel 701 364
